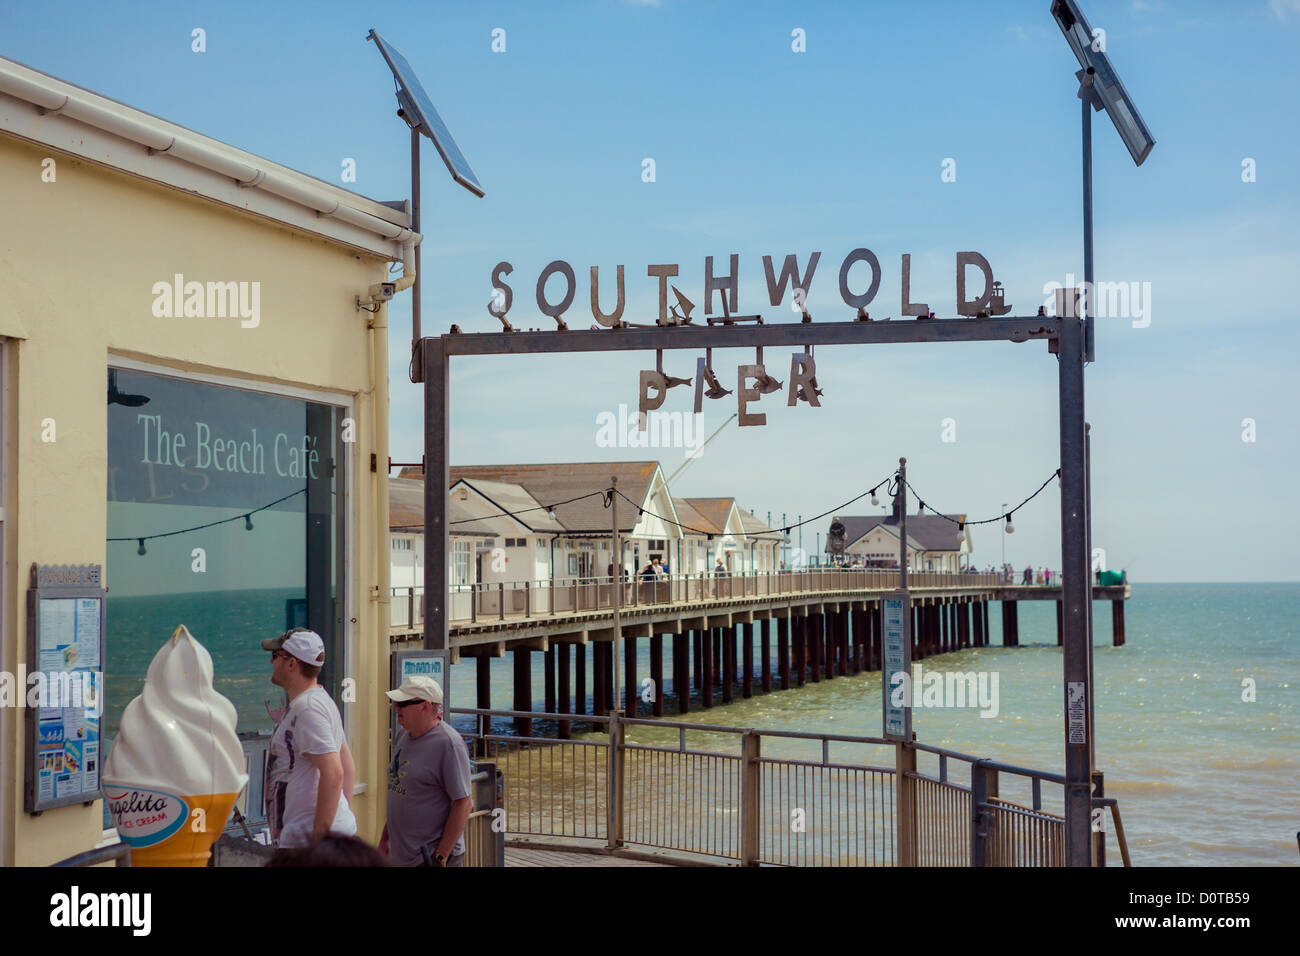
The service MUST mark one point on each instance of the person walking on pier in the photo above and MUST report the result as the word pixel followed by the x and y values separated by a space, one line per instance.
pixel 1029 575
pixel 428 781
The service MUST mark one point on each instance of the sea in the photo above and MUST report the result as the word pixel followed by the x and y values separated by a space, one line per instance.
pixel 1197 716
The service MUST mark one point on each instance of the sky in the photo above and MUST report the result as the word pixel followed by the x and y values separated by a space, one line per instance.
pixel 924 129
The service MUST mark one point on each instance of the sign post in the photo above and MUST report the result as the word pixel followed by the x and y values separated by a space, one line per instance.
pixel 896 667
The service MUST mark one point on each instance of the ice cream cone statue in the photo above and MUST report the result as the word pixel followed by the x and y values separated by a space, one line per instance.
pixel 176 767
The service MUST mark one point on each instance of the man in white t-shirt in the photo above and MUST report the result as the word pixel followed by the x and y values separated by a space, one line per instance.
pixel 309 754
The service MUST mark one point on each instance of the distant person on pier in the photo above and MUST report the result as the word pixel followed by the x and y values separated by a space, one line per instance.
pixel 719 570
pixel 1029 575
pixel 1038 577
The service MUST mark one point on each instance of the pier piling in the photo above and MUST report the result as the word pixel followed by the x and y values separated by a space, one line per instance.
pixel 1117 623
pixel 631 693
pixel 706 677
pixel 565 689
pixel 580 678
pixel 548 679
pixel 747 662
pixel 728 637
pixel 657 674
pixel 523 690
pixel 783 651
pixel 681 670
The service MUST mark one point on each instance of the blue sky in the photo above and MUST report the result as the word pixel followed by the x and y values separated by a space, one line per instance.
pixel 760 150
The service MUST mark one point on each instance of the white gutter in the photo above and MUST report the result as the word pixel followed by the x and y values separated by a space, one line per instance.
pixel 57 114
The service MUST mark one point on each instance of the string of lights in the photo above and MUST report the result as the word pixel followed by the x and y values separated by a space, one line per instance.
pixel 607 494
pixel 786 529
pixel 549 509
pixel 1005 516
pixel 247 516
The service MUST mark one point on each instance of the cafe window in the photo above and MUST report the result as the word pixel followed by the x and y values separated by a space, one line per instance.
pixel 226 514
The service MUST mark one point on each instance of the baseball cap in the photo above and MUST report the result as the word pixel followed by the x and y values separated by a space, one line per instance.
pixel 417 687
pixel 301 643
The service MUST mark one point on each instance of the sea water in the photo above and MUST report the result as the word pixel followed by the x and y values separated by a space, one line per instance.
pixel 1203 773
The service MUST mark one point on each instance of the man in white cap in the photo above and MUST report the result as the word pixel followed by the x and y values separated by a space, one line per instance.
pixel 310 761
pixel 428 781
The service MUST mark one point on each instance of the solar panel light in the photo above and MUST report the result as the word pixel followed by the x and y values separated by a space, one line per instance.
pixel 1098 73
pixel 418 111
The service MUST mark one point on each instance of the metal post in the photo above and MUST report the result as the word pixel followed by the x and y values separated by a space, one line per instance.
pixel 902 526
pixel 904 765
pixel 417 369
pixel 1074 584
pixel 437 403
pixel 1087 607
pixel 614 778
pixel 616 553
pixel 1089 350
pixel 750 815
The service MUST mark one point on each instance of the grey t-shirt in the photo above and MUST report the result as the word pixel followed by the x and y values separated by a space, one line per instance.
pixel 426 774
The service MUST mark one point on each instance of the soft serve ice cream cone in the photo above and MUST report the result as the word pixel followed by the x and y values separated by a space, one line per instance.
pixel 176 753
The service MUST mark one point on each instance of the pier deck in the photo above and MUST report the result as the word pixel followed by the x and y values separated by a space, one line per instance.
pixel 828 623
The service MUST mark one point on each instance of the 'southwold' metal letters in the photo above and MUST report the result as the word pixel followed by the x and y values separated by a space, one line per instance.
pixel 803 387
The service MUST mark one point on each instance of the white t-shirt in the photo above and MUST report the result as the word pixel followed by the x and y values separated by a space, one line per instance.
pixel 312 726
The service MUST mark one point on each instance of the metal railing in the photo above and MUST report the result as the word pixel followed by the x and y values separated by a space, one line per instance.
pixel 119 854
pixel 485 843
pixel 498 600
pixel 771 797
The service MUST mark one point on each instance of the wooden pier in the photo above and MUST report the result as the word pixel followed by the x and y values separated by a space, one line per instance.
pixel 824 624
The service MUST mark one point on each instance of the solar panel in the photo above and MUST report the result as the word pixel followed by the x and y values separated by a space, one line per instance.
pixel 420 113
pixel 1119 105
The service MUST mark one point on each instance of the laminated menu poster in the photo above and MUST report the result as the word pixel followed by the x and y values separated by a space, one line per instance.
pixel 63 694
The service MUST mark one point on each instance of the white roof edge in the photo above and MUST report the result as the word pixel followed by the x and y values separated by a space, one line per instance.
pixel 46 110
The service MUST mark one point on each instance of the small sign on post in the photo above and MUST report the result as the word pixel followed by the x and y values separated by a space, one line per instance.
pixel 896 666
pixel 422 663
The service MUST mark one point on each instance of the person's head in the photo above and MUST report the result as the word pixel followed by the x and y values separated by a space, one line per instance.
pixel 333 849
pixel 297 656
pixel 418 703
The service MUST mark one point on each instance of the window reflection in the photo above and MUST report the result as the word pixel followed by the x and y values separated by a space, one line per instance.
pixel 233 497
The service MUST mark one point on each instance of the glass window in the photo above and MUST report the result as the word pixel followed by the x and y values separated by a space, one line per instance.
pixel 460 564
pixel 225 514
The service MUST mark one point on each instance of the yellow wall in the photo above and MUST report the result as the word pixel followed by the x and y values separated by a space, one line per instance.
pixel 78 258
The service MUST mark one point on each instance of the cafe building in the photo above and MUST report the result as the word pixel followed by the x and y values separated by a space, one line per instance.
pixel 193 371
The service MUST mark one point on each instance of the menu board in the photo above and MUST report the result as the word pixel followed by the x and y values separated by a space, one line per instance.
pixel 62 685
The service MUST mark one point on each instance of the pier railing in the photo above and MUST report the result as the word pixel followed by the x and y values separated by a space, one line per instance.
pixel 485 843
pixel 498 600
pixel 772 797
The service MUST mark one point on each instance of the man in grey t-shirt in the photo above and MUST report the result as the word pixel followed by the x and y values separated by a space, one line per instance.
pixel 428 781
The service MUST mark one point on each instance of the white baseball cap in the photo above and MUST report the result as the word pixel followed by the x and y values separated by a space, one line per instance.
pixel 301 643
pixel 417 687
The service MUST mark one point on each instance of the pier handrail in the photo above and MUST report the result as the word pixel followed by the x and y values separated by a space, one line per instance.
pixel 547 597
pixel 659 795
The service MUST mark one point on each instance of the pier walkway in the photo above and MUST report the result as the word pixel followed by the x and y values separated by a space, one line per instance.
pixel 824 622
